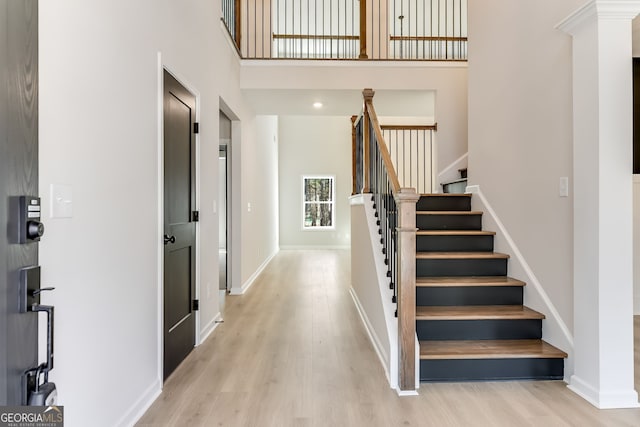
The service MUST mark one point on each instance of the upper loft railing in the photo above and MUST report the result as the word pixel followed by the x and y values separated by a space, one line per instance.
pixel 431 30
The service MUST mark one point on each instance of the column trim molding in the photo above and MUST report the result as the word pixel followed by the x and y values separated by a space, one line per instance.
pixel 601 9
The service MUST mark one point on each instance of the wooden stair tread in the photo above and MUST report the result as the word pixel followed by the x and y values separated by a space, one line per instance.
pixel 477 312
pixel 467 281
pixel 455 233
pixel 468 213
pixel 461 255
pixel 489 349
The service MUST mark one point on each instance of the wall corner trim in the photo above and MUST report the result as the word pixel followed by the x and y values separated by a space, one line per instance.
pixel 377 345
pixel 251 280
pixel 356 199
pixel 531 277
pixel 617 399
pixel 605 9
pixel 210 327
pixel 137 410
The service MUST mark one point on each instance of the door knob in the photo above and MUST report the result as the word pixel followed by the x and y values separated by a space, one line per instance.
pixel 169 239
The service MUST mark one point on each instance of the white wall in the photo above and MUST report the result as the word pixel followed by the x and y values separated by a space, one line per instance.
pixel 99 133
pixel 260 192
pixel 314 145
pixel 520 131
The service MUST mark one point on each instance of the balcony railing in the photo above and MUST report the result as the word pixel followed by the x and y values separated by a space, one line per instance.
pixel 433 30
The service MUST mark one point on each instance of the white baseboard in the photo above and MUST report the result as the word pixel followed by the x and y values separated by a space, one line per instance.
pixel 450 173
pixel 531 279
pixel 246 285
pixel 382 353
pixel 618 399
pixel 211 326
pixel 403 393
pixel 138 409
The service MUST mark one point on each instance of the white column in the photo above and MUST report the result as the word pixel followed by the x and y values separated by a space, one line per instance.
pixel 603 203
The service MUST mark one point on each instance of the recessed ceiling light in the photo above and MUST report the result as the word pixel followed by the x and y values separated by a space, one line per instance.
pixel 317 105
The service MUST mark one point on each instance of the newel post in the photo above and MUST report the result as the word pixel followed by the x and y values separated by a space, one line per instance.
pixel 363 30
pixel 368 99
pixel 406 201
pixel 354 164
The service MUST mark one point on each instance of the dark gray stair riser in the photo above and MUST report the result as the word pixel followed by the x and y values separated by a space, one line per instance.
pixel 491 369
pixel 483 243
pixel 469 295
pixel 492 329
pixel 444 203
pixel 449 222
pixel 461 267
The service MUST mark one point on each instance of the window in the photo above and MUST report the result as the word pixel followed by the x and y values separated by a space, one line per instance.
pixel 318 210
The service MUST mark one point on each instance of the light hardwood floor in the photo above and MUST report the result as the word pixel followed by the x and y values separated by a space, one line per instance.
pixel 293 352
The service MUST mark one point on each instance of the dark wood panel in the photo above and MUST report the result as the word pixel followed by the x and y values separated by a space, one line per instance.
pixel 19 164
pixel 179 201
pixel 3 203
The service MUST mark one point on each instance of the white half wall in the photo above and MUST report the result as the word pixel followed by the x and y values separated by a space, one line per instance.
pixel 370 286
pixel 313 145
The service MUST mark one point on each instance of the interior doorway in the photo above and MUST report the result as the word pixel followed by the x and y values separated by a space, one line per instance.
pixel 224 185
pixel 179 114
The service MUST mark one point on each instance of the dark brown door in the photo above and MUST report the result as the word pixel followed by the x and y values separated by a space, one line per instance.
pixel 18 176
pixel 179 227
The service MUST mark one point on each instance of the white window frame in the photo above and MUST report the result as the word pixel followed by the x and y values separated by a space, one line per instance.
pixel 332 203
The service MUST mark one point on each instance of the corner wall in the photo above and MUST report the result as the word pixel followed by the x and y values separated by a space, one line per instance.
pixel 520 131
pixel 99 128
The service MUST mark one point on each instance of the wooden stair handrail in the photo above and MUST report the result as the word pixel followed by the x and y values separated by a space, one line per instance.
pixel 370 112
pixel 405 200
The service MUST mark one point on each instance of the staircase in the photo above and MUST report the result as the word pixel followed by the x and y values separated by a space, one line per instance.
pixel 470 318
pixel 458 185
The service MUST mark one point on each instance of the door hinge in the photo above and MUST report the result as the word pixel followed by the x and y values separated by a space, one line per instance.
pixel 196 127
pixel 195 216
pixel 196 305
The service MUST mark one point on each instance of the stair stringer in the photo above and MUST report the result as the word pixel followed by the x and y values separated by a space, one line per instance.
pixel 373 300
pixel 554 330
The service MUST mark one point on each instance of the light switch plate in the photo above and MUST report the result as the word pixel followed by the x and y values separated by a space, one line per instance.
pixel 563 188
pixel 61 201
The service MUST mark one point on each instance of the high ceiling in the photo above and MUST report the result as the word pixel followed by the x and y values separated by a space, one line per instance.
pixel 340 102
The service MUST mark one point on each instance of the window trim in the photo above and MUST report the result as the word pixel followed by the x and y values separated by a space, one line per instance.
pixel 332 202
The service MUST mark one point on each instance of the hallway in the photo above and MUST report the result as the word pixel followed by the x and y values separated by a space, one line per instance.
pixel 293 352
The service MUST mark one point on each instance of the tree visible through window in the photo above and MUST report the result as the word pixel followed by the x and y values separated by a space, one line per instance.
pixel 318 197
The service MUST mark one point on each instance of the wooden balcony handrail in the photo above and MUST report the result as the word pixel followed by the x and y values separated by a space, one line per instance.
pixel 428 38
pixel 314 37
pixel 410 127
